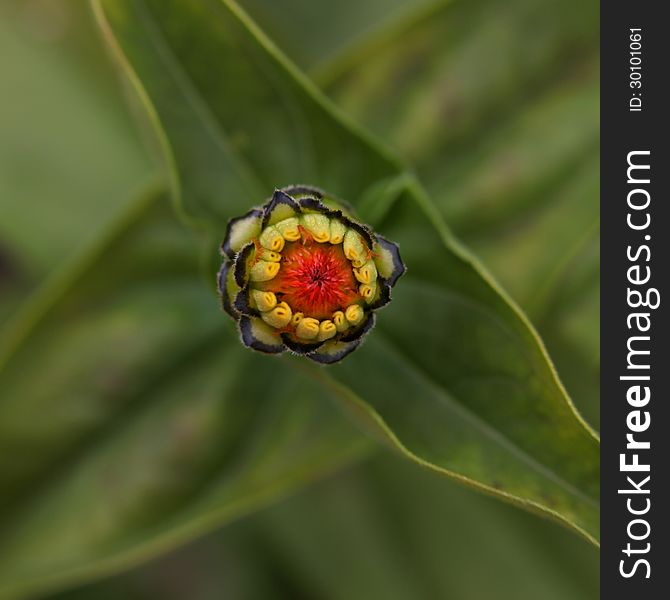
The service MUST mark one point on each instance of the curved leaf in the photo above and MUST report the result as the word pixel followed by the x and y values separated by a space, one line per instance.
pixel 383 529
pixel 299 27
pixel 437 84
pixel 138 420
pixel 458 379
pixel 45 194
pixel 522 182
pixel 410 535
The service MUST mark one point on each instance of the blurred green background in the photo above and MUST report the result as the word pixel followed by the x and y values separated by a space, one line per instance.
pixel 515 171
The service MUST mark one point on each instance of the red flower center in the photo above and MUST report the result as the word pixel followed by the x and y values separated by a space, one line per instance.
pixel 315 279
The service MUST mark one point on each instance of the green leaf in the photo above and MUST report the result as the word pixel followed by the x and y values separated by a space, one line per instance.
pixel 298 27
pixel 383 529
pixel 409 535
pixel 521 186
pixel 69 157
pixel 139 419
pixel 432 87
pixel 456 378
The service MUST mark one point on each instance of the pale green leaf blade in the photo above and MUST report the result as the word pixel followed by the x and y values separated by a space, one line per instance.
pixel 251 120
pixel 516 171
pixel 132 420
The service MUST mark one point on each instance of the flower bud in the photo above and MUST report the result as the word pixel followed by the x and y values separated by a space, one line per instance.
pixel 299 275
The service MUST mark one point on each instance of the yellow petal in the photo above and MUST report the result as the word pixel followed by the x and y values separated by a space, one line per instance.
pixel 327 330
pixel 354 314
pixel 289 229
pixel 307 329
pixel 270 256
pixel 272 239
pixel 264 271
pixel 265 301
pixel 318 225
pixel 354 248
pixel 337 231
pixel 367 273
pixel 340 320
pixel 368 290
pixel 279 316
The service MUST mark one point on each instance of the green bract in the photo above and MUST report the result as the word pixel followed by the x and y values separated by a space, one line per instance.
pixel 300 274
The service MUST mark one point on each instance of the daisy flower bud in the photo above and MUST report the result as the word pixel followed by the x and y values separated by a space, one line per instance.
pixel 300 274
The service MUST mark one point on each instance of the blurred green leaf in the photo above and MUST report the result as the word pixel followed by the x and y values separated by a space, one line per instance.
pixel 318 34
pixel 455 377
pixel 138 419
pixel 512 165
pixel 380 529
pixel 399 533
pixel 69 157
pixel 432 87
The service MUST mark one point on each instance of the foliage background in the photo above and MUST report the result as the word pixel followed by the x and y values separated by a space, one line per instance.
pixel 516 176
